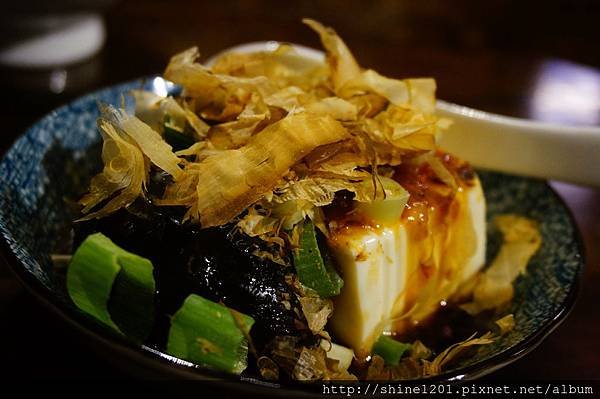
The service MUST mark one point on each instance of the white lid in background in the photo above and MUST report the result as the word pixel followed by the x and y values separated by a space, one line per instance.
pixel 72 38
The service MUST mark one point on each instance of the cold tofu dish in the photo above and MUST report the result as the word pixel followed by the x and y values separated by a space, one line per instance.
pixel 292 219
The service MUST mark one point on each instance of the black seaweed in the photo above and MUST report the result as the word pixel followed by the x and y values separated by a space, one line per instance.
pixel 216 263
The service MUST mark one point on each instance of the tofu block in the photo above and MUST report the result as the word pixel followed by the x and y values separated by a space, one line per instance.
pixel 397 275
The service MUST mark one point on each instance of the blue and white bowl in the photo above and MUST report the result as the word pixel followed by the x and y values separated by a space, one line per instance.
pixel 55 158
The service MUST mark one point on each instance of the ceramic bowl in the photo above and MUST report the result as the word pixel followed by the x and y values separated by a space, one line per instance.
pixel 53 161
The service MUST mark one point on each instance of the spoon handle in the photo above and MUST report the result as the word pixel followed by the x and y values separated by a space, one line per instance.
pixel 521 146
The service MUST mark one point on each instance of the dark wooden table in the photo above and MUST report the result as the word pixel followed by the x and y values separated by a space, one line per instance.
pixel 499 56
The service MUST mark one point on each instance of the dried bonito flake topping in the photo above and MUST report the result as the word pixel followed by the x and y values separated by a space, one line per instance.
pixel 231 181
pixel 271 131
pixel 129 147
pixel 316 310
pixel 493 288
pixel 124 173
pixel 148 140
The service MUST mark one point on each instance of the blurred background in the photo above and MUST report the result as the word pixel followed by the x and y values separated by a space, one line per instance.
pixel 534 59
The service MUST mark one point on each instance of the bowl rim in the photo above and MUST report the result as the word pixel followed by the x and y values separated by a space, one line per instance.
pixel 157 358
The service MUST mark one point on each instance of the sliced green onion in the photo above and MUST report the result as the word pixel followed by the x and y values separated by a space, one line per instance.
pixel 388 210
pixel 131 303
pixel 390 350
pixel 334 277
pixel 113 285
pixel 208 333
pixel 91 274
pixel 175 137
pixel 314 266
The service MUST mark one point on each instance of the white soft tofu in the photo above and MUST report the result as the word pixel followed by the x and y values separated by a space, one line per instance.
pixel 396 275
